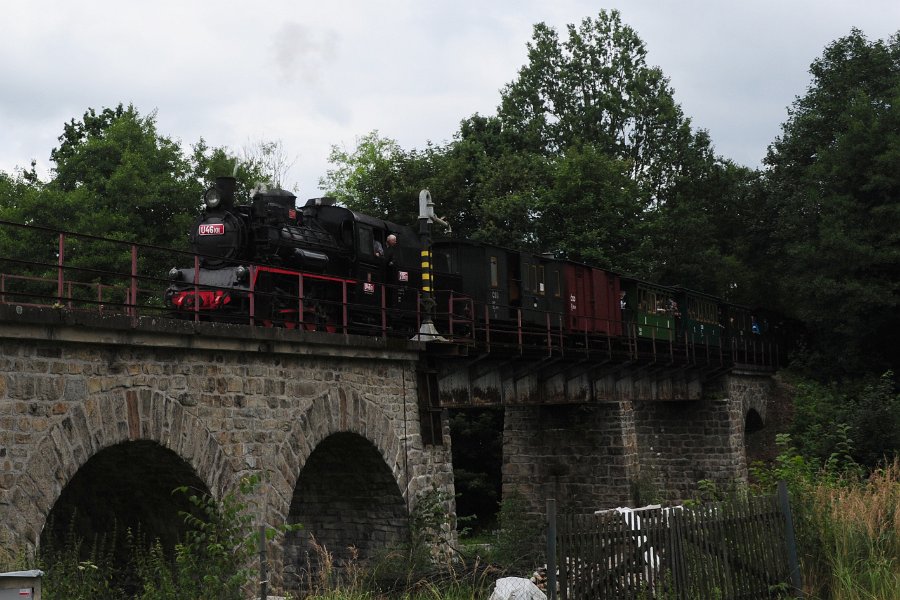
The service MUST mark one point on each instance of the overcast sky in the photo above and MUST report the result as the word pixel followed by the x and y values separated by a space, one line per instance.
pixel 317 74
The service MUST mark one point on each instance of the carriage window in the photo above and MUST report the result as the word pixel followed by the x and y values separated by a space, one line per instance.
pixel 537 279
pixel 495 280
pixel 557 291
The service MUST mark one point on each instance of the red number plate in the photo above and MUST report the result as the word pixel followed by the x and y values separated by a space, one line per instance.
pixel 212 229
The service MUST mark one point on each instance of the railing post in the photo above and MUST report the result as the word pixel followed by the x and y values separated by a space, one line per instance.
pixel 197 287
pixel 263 565
pixel 301 316
pixel 252 295
pixel 59 268
pixel 487 327
pixel 551 548
pixel 549 336
pixel 519 322
pixel 383 310
pixel 344 312
pixel 134 284
pixel 450 315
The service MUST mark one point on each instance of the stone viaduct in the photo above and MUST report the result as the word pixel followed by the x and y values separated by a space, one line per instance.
pixel 108 414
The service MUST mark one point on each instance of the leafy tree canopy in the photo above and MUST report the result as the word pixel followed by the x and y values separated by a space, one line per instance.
pixel 833 191
pixel 117 177
pixel 596 88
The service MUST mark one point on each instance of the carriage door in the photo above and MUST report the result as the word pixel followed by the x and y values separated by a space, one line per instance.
pixel 514 283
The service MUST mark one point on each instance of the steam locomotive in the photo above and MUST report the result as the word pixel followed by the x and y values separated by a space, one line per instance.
pixel 327 268
pixel 315 267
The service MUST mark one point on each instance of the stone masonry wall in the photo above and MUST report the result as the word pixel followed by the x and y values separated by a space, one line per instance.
pixel 630 452
pixel 584 456
pixel 229 405
pixel 682 443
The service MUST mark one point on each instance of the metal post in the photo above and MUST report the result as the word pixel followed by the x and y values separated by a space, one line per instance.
pixel 301 315
pixel 59 269
pixel 427 331
pixel 487 328
pixel 551 548
pixel 263 565
pixel 784 504
pixel 383 310
pixel 134 281
pixel 197 288
pixel 344 311
pixel 519 327
pixel 252 294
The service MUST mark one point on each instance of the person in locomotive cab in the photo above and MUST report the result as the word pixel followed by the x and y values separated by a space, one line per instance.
pixel 391 255
pixel 378 249
pixel 392 264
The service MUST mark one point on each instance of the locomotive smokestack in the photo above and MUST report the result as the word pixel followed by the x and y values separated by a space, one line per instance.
pixel 226 187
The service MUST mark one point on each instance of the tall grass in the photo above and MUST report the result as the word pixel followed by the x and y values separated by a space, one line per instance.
pixel 847 524
pixel 856 530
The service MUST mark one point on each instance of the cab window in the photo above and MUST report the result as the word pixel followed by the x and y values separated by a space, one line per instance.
pixel 366 241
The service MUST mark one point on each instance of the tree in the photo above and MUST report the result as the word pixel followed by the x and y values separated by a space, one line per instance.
pixel 834 188
pixel 369 177
pixel 270 159
pixel 118 177
pixel 596 88
pixel 592 212
pixel 115 177
pixel 589 157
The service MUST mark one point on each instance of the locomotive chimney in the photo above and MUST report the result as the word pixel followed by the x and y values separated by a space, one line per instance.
pixel 226 186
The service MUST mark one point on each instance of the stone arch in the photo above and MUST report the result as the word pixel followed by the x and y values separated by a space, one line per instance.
pixel 325 417
pixel 98 423
pixel 755 438
pixel 333 416
pixel 346 497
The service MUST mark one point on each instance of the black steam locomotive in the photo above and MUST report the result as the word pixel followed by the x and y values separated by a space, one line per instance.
pixel 320 267
pixel 327 268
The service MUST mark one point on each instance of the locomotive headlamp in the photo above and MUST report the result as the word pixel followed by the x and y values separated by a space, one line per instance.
pixel 175 274
pixel 241 273
pixel 212 198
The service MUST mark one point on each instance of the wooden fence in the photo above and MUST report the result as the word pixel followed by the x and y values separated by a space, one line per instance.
pixel 725 550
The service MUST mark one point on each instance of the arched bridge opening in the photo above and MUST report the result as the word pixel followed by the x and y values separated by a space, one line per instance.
pixel 125 487
pixel 755 437
pixel 349 505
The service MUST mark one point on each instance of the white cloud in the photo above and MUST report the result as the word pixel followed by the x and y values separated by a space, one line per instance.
pixel 315 74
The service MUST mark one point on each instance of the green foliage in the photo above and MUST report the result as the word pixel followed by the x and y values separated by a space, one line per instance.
pixel 477 462
pixel 587 152
pixel 592 211
pixel 373 178
pixel 518 539
pixel 116 177
pixel 847 522
pixel 429 540
pixel 70 576
pixel 215 561
pixel 832 190
pixel 853 422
